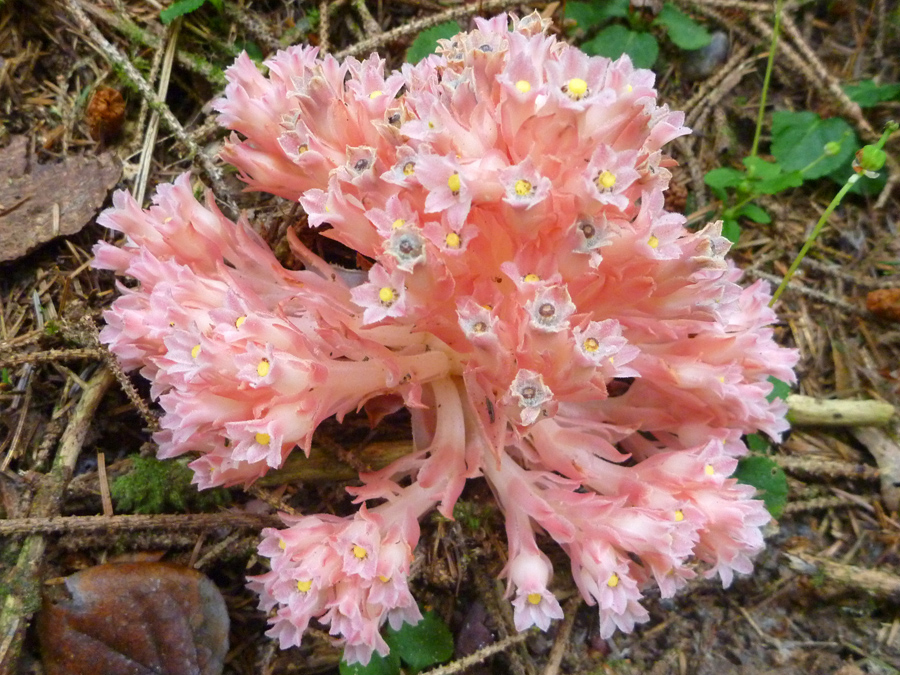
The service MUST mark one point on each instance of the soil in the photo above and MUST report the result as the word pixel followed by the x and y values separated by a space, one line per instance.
pixel 76 81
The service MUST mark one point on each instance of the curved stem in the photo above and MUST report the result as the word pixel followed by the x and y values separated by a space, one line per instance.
pixel 769 66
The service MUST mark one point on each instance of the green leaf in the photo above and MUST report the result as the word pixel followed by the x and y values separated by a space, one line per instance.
pixel 683 30
pixel 779 183
pixel 779 389
pixel 760 169
pixel 377 665
pixel 426 41
pixel 724 178
pixel 731 230
pixel 754 213
pixel 768 478
pixel 616 40
pixel 868 94
pixel 180 8
pixel 421 646
pixel 588 15
pixel 757 443
pixel 799 140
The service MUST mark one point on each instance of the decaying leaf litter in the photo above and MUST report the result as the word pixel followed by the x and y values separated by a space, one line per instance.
pixel 821 597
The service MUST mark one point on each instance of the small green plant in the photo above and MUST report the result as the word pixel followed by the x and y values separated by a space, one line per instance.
pixel 182 7
pixel 426 644
pixel 623 30
pixel 759 470
pixel 426 41
pixel 868 94
pixel 154 486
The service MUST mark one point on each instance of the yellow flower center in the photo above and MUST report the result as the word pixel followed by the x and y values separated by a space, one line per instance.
pixel 263 438
pixel 613 581
pixel 591 345
pixel 281 544
pixel 304 585
pixel 606 180
pixel 359 551
pixel 523 86
pixel 409 168
pixel 576 88
pixel 534 598
pixel 453 240
pixel 397 224
pixel 709 470
pixel 384 579
pixel 195 351
pixel 303 148
pixel 240 320
pixel 653 241
pixel 629 88
pixel 523 187
pixel 454 183
pixel 387 295
pixel 531 278
pixel 263 368
pixel 679 516
pixel 376 94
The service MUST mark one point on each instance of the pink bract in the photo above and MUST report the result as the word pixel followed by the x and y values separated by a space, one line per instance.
pixel 548 324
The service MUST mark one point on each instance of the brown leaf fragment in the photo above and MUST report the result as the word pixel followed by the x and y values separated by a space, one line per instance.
pixel 105 114
pixel 135 618
pixel 885 303
pixel 39 202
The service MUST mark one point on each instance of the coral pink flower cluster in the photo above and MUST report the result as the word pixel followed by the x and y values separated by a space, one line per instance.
pixel 548 324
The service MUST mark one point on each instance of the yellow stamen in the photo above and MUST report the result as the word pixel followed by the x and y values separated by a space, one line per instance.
pixel 384 579
pixel 629 88
pixel 263 368
pixel 576 87
pixel 679 516
pixel 195 351
pixel 282 544
pixel 240 320
pixel 167 220
pixel 409 168
pixel 376 94
pixel 534 598
pixel 606 180
pixel 397 224
pixel 263 438
pixel 303 148
pixel 524 86
pixel 653 241
pixel 387 295
pixel 591 345
pixel 454 183
pixel 709 470
pixel 452 240
pixel 304 586
pixel 359 551
pixel 531 278
pixel 613 581
pixel 523 188
pixel 722 379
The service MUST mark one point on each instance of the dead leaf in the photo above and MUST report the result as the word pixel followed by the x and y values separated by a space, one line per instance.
pixel 885 303
pixel 105 114
pixel 39 202
pixel 135 618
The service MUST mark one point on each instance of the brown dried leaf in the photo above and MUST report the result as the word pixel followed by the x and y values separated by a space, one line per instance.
pixel 105 114
pixel 135 618
pixel 885 302
pixel 30 193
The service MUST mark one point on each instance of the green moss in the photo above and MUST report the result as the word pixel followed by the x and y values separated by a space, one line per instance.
pixel 153 486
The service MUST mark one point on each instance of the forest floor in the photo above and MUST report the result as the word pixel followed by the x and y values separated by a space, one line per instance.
pixel 823 597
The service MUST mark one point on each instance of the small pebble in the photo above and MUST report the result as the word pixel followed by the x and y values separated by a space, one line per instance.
pixel 703 62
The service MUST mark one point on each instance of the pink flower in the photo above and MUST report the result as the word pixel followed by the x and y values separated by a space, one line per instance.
pixel 548 324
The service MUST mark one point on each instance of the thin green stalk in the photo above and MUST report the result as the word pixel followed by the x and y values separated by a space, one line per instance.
pixel 769 67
